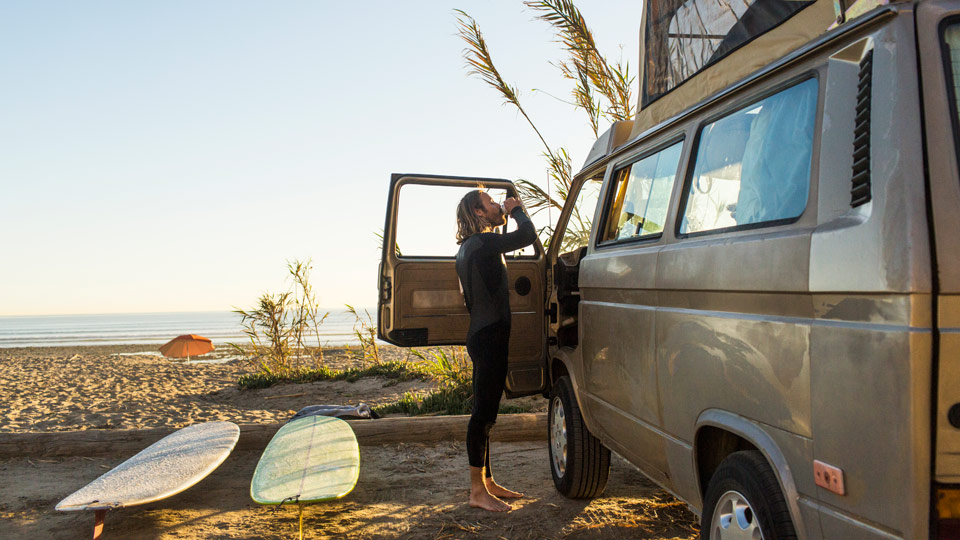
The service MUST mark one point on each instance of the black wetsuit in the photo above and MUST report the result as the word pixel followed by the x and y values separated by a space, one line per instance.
pixel 483 276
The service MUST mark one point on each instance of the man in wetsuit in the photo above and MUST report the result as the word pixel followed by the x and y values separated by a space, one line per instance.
pixel 483 278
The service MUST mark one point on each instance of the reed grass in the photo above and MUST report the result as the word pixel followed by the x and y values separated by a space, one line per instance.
pixel 396 370
pixel 603 89
pixel 449 398
pixel 366 333
pixel 449 367
pixel 280 324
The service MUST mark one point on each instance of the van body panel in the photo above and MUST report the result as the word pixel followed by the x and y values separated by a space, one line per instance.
pixel 570 358
pixel 837 525
pixel 941 124
pixel 768 261
pixel 881 246
pixel 871 343
pixel 637 441
pixel 810 516
pixel 683 469
pixel 750 366
pixel 621 371
pixel 871 406
pixel 619 375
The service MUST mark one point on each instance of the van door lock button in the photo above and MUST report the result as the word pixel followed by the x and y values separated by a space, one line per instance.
pixel 953 415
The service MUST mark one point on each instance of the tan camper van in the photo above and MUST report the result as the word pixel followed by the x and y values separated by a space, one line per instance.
pixel 753 291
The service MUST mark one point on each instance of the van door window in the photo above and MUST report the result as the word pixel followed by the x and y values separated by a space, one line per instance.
pixel 427 222
pixel 577 231
pixel 753 166
pixel 951 40
pixel 641 195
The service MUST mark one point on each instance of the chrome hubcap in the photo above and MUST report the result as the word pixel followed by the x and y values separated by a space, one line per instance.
pixel 734 519
pixel 558 437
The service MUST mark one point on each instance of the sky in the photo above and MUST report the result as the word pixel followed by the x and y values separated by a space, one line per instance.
pixel 173 156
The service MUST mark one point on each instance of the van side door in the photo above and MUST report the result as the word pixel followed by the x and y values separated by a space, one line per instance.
pixel 420 299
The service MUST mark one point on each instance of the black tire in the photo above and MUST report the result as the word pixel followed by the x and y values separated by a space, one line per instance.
pixel 745 480
pixel 581 471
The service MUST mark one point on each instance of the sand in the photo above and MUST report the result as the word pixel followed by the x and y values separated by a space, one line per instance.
pixel 405 491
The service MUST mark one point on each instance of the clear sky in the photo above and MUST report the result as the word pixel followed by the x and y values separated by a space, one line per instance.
pixel 172 156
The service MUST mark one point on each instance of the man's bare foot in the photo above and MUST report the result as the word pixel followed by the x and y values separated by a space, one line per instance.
pixel 481 498
pixel 497 490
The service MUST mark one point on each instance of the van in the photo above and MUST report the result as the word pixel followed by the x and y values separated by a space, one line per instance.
pixel 754 298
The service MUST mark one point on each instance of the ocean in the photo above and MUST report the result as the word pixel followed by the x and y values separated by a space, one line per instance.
pixel 151 328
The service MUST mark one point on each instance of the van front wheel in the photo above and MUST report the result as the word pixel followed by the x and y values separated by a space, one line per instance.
pixel 579 464
pixel 744 501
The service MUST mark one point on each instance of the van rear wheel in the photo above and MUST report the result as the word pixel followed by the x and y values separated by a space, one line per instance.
pixel 579 464
pixel 744 502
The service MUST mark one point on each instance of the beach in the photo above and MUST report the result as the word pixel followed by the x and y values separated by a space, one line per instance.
pixel 406 490
pixel 114 387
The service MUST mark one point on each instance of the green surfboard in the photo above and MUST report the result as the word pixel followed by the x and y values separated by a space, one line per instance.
pixel 310 459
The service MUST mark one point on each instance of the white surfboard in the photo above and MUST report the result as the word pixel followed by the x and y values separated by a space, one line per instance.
pixel 311 459
pixel 163 469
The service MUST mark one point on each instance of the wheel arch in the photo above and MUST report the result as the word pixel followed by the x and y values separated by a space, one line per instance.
pixel 720 433
pixel 558 368
pixel 561 365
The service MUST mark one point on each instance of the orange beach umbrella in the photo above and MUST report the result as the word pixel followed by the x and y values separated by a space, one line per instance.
pixel 186 346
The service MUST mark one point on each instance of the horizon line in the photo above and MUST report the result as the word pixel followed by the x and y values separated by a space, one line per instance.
pixel 158 312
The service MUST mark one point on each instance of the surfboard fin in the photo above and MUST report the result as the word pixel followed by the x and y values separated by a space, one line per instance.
pixel 98 523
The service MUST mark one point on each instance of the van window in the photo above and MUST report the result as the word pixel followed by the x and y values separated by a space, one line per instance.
pixel 577 231
pixel 753 166
pixel 427 222
pixel 641 195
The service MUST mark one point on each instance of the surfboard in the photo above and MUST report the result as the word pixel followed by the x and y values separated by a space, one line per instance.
pixel 310 459
pixel 165 468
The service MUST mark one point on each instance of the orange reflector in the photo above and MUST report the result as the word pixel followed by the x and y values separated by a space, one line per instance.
pixel 948 503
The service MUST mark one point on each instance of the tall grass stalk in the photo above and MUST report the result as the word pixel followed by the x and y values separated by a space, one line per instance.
pixel 366 333
pixel 601 88
pixel 279 325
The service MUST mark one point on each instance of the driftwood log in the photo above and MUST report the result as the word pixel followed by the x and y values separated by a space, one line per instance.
pixel 121 442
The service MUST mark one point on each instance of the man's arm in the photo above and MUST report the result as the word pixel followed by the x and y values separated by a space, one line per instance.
pixel 512 241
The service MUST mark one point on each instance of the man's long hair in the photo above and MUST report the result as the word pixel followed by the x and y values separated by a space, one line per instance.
pixel 468 222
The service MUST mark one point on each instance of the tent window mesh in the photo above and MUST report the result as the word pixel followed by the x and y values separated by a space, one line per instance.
pixel 684 36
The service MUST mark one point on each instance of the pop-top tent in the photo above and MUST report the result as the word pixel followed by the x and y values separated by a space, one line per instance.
pixel 692 49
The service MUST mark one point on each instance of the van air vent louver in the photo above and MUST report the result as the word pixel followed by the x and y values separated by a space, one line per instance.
pixel 860 193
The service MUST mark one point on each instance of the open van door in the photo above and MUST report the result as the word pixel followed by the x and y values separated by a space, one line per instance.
pixel 420 300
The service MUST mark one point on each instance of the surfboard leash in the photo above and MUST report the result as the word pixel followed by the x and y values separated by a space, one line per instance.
pixel 300 512
pixel 294 499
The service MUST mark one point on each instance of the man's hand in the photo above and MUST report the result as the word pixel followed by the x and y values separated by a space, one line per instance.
pixel 510 204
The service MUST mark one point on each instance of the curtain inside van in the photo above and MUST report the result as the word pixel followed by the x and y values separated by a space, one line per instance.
pixel 681 37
